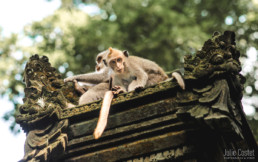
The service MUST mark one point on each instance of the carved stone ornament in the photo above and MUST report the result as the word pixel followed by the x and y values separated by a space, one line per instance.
pixel 39 115
pixel 212 71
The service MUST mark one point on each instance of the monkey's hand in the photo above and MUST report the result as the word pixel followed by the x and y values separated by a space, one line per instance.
pixel 139 83
pixel 78 88
pixel 69 79
pixel 117 90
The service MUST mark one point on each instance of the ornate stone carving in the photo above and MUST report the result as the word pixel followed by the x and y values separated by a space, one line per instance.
pixel 217 56
pixel 212 71
pixel 40 113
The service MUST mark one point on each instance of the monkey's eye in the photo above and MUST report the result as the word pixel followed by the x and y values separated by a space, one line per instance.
pixel 113 62
pixel 119 60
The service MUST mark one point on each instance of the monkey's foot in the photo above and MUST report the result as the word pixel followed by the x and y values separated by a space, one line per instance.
pixel 117 90
pixel 138 89
pixel 70 105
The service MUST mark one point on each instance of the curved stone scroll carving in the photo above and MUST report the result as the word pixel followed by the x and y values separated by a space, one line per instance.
pixel 215 84
pixel 39 115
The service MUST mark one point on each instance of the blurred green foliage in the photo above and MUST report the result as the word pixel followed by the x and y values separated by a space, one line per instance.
pixel 160 30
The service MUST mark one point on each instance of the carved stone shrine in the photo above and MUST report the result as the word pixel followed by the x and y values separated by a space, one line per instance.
pixel 204 122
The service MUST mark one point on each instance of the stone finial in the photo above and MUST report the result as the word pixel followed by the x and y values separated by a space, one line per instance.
pixel 39 115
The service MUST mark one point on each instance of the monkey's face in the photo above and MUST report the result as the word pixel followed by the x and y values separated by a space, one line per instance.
pixel 117 64
pixel 100 64
pixel 116 60
pixel 99 60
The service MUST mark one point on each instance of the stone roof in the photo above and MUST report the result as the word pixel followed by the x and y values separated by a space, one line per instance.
pixel 158 123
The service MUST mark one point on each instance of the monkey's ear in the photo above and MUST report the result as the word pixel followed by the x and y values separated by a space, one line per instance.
pixel 105 62
pixel 126 53
pixel 110 49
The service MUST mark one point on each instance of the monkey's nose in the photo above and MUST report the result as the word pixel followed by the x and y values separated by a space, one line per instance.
pixel 119 70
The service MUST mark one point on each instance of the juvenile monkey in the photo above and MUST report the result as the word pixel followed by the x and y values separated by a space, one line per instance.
pixel 132 72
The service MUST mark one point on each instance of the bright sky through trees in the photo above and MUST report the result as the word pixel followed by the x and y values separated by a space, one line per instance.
pixel 14 15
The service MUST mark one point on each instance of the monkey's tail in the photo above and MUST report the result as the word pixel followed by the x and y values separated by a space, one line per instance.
pixel 179 79
pixel 102 122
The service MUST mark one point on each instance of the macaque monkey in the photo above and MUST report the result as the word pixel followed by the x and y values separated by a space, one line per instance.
pixel 97 82
pixel 129 73
pixel 132 72
pixel 100 68
pixel 100 74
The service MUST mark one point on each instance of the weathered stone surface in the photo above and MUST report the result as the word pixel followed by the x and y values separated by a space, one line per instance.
pixel 39 115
